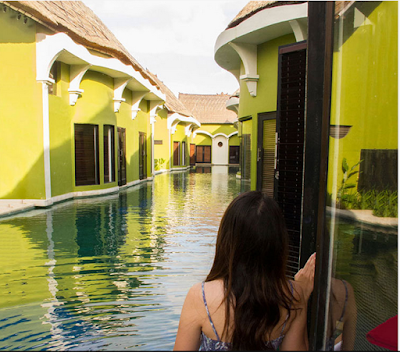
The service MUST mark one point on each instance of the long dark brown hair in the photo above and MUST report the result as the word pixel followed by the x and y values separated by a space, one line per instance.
pixel 250 257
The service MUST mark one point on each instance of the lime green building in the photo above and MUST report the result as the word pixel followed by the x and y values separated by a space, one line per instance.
pixel 175 131
pixel 78 112
pixel 216 142
pixel 318 123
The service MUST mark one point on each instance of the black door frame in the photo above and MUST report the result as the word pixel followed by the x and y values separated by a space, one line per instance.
pixel 314 236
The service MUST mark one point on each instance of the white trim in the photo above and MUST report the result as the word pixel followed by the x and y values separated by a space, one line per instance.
pixel 233 133
pixel 46 137
pixel 119 86
pixel 233 104
pixel 263 26
pixel 76 73
pixel 179 168
pixel 204 132
pixel 28 204
pixel 248 55
pixel 60 46
pixel 136 100
pixel 153 114
pixel 174 119
pixel 299 30
pixel 217 134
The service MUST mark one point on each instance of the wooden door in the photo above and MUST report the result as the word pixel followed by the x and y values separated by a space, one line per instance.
pixel 203 154
pixel 192 154
pixel 176 153
pixel 266 152
pixel 142 155
pixel 207 154
pixel 121 156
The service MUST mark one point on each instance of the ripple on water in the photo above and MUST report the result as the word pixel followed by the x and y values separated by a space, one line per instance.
pixel 109 273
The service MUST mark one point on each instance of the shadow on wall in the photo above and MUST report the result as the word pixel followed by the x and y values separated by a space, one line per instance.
pixel 31 185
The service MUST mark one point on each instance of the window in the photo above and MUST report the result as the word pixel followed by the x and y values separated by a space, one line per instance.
pixel 86 154
pixel 109 153
pixel 246 156
pixel 176 153
pixel 203 154
pixel 183 153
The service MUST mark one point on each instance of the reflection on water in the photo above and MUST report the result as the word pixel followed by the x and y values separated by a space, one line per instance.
pixel 110 273
pixel 366 257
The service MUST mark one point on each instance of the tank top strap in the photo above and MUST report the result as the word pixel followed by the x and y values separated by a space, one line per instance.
pixel 208 312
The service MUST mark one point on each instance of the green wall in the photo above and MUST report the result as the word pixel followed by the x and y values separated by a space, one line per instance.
pixel 364 90
pixel 21 117
pixel 161 132
pixel 213 129
pixel 267 91
pixel 180 136
pixel 95 106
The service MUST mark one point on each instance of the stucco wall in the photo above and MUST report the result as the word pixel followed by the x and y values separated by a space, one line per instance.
pixel 364 90
pixel 267 91
pixel 21 143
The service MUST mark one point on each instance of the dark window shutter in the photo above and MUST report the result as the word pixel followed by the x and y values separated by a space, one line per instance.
pixel 290 148
pixel 86 154
pixel 109 153
pixel 207 154
pixel 176 153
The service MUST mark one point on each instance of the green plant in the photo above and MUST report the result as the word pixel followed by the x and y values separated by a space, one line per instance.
pixel 158 163
pixel 343 197
pixel 385 204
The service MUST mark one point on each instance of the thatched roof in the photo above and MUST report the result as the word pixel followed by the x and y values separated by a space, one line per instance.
pixel 81 24
pixel 209 108
pixel 172 103
pixel 255 6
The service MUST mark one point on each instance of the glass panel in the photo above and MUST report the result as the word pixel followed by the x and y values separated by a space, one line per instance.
pixel 362 174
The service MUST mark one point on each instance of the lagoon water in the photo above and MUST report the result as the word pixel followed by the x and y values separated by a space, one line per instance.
pixel 110 273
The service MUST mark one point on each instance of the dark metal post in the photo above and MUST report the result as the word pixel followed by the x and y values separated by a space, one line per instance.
pixel 314 237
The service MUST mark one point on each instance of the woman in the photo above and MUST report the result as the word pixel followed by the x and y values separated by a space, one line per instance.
pixel 246 301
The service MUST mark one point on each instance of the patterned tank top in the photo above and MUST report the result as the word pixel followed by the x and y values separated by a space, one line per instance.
pixel 208 344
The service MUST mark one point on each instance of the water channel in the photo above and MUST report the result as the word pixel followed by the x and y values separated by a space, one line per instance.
pixel 110 273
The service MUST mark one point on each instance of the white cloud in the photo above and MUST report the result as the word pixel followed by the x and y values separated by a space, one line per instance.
pixel 168 36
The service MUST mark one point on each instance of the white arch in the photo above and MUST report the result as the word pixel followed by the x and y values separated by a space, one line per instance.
pixel 205 132
pixel 61 47
pixel 176 118
pixel 217 134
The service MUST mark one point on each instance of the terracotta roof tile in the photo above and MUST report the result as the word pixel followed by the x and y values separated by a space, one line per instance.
pixel 208 108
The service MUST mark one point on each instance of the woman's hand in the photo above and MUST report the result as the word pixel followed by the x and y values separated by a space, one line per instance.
pixel 305 276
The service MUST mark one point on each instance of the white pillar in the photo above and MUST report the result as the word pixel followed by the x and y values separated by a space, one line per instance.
pixel 46 138
pixel 153 115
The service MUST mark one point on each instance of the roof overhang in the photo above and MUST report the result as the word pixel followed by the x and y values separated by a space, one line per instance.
pixel 61 47
pixel 176 118
pixel 263 26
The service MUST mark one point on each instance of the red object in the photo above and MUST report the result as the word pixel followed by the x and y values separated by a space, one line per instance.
pixel 385 334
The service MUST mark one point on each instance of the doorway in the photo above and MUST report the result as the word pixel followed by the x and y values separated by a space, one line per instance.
pixel 142 155
pixel 121 156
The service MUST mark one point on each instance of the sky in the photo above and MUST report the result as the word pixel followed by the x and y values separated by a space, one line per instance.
pixel 174 39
